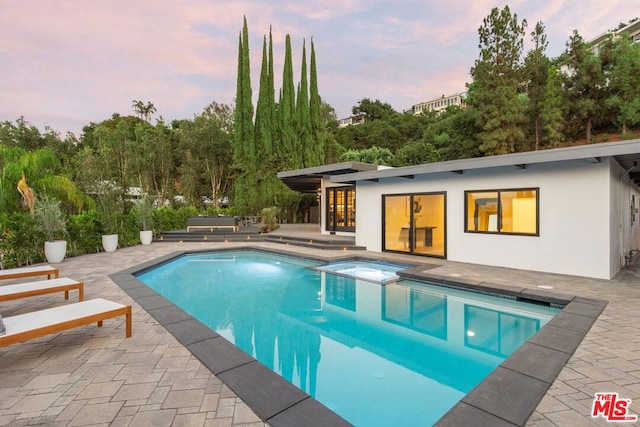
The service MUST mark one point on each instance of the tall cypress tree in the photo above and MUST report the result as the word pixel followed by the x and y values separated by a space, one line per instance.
pixel 275 128
pixel 291 156
pixel 244 145
pixel 303 121
pixel 263 124
pixel 315 112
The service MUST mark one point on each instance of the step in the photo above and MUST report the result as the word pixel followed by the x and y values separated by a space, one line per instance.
pixel 312 243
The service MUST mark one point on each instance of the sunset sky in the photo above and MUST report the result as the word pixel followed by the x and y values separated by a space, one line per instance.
pixel 67 63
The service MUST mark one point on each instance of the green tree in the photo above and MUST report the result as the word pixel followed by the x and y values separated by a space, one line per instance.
pixel 373 155
pixel 536 68
pixel 244 141
pixel 454 134
pixel 551 114
pixel 318 125
pixel 303 118
pixel 291 154
pixel 373 110
pixel 153 162
pixel 142 110
pixel 497 77
pixel 584 82
pixel 205 144
pixel 623 75
pixel 263 125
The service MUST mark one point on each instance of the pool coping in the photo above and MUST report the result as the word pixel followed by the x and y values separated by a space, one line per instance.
pixel 507 397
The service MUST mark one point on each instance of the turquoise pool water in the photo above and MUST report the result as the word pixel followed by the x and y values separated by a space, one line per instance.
pixel 399 354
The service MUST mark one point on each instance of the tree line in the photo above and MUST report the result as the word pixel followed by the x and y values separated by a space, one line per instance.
pixel 230 154
pixel 516 101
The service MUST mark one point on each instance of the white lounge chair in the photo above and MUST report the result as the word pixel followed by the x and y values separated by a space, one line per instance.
pixel 24 327
pixel 38 270
pixel 41 287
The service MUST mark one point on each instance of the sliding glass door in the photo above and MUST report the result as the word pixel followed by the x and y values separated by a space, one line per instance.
pixel 415 223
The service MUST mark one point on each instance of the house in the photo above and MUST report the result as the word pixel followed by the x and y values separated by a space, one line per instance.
pixel 352 120
pixel 439 104
pixel 569 210
pixel 631 30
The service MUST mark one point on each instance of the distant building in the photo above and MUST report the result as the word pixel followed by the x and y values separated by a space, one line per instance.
pixel 352 121
pixel 439 104
pixel 631 30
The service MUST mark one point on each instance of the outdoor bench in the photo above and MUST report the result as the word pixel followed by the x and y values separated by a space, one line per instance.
pixel 212 222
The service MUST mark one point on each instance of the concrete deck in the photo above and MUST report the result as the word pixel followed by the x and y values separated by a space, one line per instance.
pixel 95 376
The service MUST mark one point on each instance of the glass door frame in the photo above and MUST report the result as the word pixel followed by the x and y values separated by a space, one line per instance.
pixel 346 204
pixel 411 232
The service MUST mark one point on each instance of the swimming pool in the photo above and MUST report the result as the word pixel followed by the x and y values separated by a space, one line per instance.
pixel 374 354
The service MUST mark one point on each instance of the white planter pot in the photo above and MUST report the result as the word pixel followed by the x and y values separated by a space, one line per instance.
pixel 146 236
pixel 110 242
pixel 54 252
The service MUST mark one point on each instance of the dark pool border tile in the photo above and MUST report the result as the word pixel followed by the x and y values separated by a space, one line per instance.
pixel 507 397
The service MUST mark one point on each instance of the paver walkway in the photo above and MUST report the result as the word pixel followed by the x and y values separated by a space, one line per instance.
pixel 94 376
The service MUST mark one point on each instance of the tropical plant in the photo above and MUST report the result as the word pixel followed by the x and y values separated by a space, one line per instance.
pixel 37 170
pixel 50 218
pixel 269 220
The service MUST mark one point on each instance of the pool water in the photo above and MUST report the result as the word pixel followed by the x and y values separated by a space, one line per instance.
pixel 400 354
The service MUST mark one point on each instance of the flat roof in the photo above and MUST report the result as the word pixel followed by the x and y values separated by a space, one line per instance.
pixel 308 180
pixel 627 153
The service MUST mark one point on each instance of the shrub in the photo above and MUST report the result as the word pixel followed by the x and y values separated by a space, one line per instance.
pixel 269 222
pixel 49 218
pixel 20 240
pixel 85 234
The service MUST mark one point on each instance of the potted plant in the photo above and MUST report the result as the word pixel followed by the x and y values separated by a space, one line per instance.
pixel 144 212
pixel 52 223
pixel 107 207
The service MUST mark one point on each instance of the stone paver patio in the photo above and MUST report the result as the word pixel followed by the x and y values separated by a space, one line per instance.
pixel 94 376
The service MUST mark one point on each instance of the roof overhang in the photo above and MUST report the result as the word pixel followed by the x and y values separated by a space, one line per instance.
pixel 626 153
pixel 309 180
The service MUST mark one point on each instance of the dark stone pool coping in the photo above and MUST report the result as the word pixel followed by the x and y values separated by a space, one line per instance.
pixel 507 397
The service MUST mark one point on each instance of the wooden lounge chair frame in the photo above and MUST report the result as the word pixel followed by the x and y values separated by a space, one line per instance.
pixel 39 270
pixel 24 327
pixel 41 287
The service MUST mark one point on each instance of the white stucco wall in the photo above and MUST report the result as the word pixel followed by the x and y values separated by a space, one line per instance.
pixel 575 217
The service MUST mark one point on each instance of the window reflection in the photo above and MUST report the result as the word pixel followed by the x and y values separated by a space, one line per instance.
pixel 496 332
pixel 340 291
pixel 415 309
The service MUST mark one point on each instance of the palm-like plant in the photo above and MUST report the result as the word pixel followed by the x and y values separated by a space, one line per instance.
pixel 38 171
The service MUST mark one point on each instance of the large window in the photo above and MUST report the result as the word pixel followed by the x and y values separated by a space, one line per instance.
pixel 341 209
pixel 502 211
